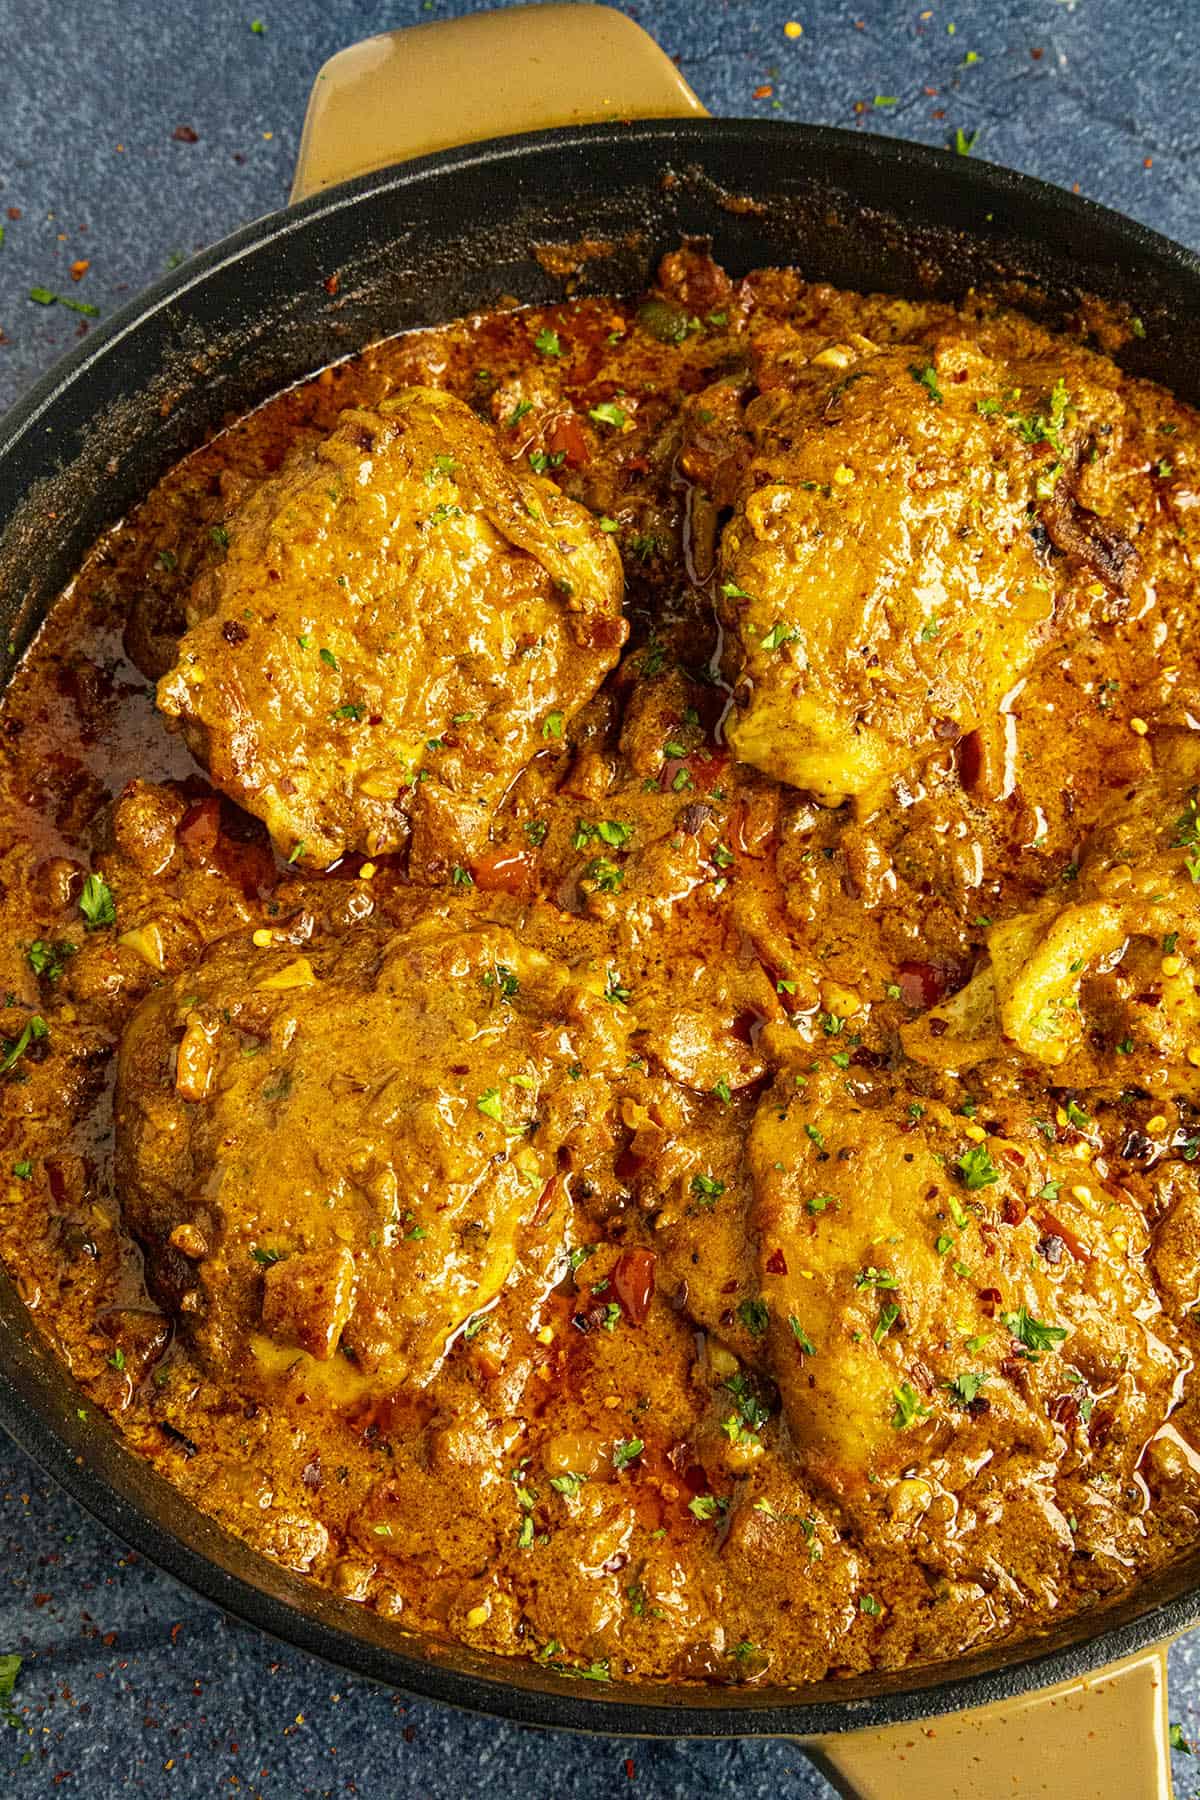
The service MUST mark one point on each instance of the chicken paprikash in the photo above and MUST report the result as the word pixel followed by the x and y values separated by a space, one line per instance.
pixel 600 925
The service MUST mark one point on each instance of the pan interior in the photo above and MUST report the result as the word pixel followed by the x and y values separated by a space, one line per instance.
pixel 442 238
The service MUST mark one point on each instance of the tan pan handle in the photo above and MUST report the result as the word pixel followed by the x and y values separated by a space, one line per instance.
pixel 1102 1738
pixel 491 74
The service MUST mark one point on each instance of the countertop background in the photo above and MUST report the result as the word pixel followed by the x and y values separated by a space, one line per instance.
pixel 132 133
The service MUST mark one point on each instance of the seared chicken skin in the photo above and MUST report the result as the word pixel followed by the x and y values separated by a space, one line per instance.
pixel 327 1144
pixel 886 578
pixel 402 620
pixel 1104 969
pixel 906 1305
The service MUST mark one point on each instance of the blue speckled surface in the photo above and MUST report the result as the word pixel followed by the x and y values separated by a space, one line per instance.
pixel 129 1686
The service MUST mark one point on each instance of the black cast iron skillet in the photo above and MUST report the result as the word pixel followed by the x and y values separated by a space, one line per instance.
pixel 414 246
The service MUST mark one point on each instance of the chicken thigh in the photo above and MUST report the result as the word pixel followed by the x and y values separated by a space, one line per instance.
pixel 402 620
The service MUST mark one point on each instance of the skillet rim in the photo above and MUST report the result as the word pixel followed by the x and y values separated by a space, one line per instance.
pixel 520 1692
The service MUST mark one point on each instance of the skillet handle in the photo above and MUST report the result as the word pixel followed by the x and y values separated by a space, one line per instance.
pixel 1100 1738
pixel 493 74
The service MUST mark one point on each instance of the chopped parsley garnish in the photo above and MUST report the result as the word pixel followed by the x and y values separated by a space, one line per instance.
pixel 552 725
pixel 46 297
pixel 614 992
pixel 461 877
pixel 707 1190
pixel 502 979
pixel 535 831
pixel 608 413
pixel 755 1316
pixel 546 342
pixel 965 1387
pixel 265 1256
pixel 814 1136
pixel 875 1278
pixel 722 1091
pixel 908 1407
pixel 801 1336
pixel 50 959
pixel 10 1668
pixel 977 1168
pixel 328 658
pixel 927 377
pixel 606 875
pixel 517 414
pixel 23 1170
pixel 35 1027
pixel 867 1603
pixel 96 903
pixel 488 1104
pixel 1032 1334
pixel 778 635
pixel 743 1425
pixel 568 1485
pixel 350 709
pixel 626 1451
pixel 819 1203
pixel 708 1506
pixel 580 1254
pixel 887 1318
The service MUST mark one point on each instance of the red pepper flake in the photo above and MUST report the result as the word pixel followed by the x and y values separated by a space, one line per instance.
pixel 630 1767
pixel 1147 162
pixel 79 269
pixel 184 134
pixel 332 284
pixel 633 1283
pixel 1037 55
pixel 777 1263
pixel 764 92
pixel 175 1631
pixel 14 212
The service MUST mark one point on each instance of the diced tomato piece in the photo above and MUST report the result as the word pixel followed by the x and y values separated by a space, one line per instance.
pixel 565 436
pixel 920 984
pixel 200 826
pixel 501 871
